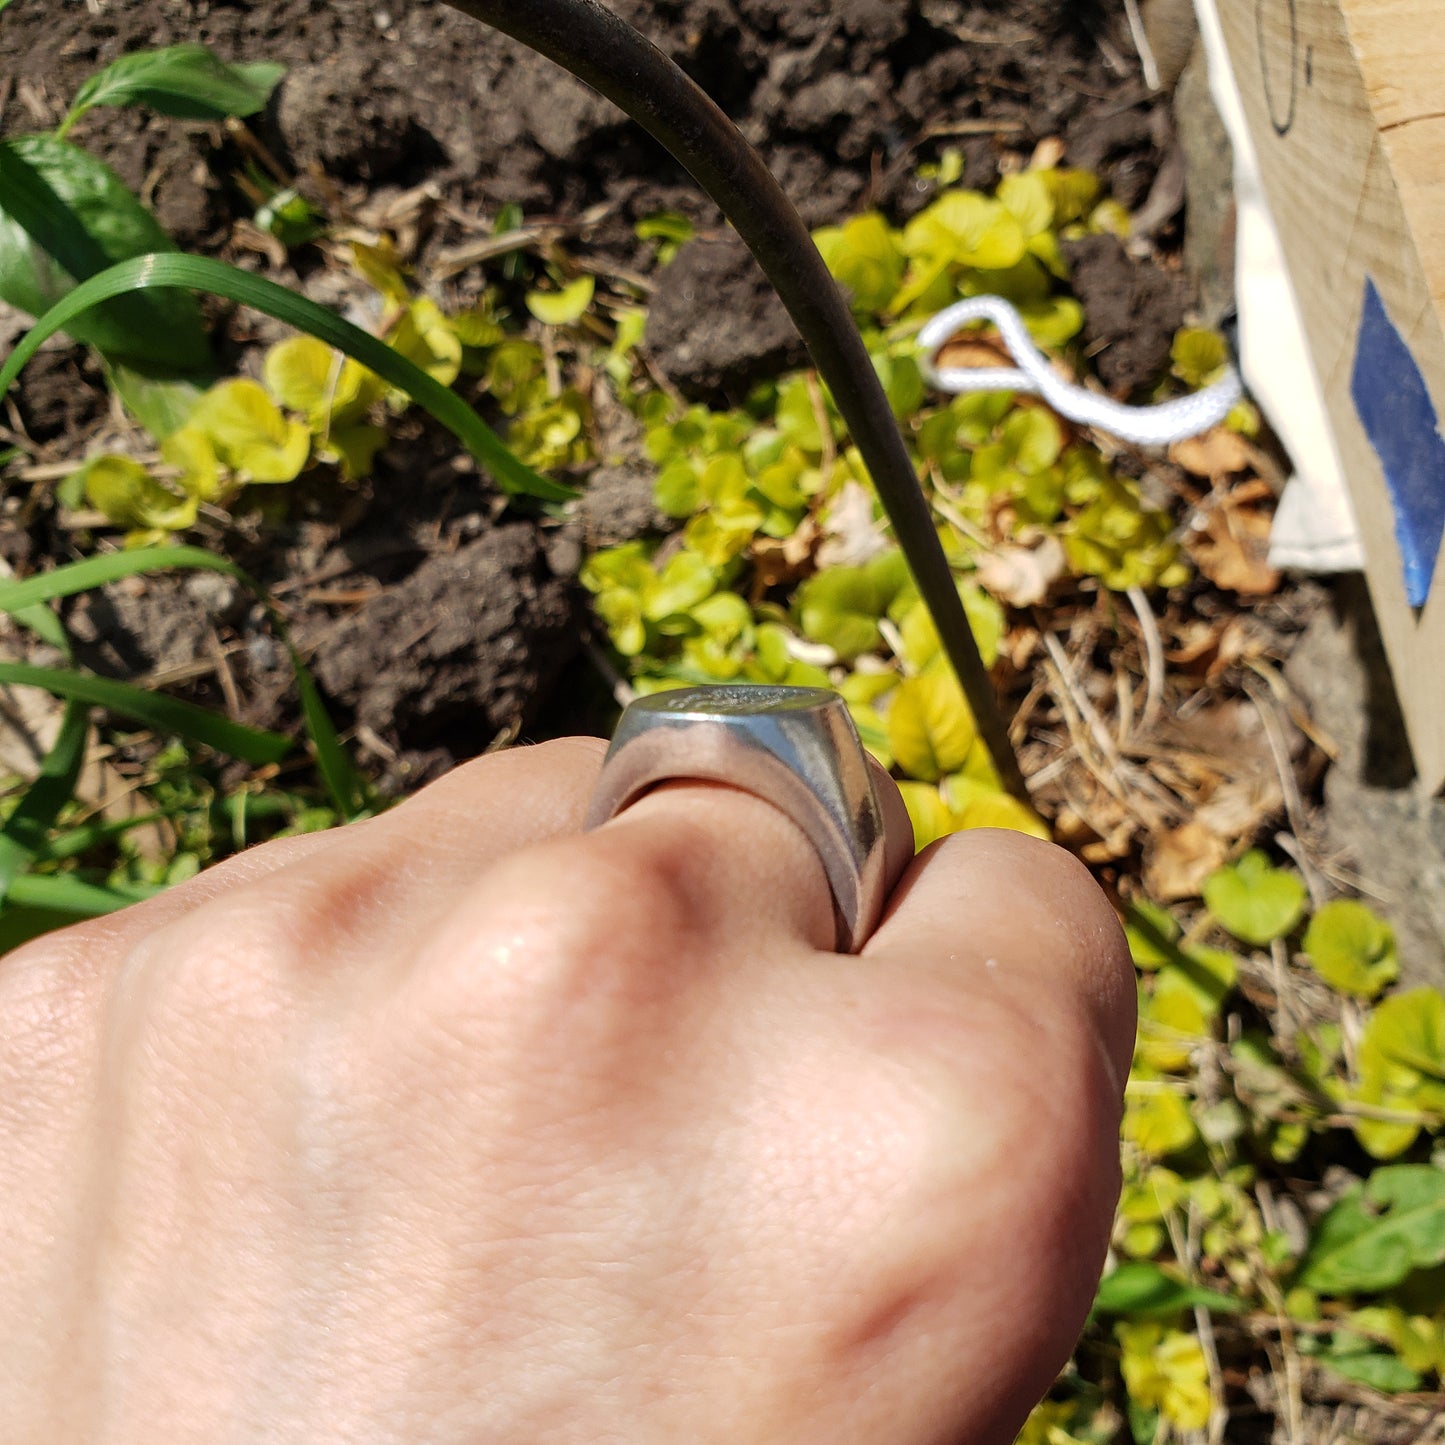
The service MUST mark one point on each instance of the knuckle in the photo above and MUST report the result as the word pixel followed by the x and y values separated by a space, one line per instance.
pixel 569 938
pixel 48 999
pixel 231 959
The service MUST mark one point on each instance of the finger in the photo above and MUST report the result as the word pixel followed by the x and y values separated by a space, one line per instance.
pixel 748 871
pixel 437 842
pixel 1010 982
pixel 999 911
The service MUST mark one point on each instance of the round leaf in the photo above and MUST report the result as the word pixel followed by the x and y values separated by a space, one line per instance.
pixel 562 308
pixel 250 434
pixel 1255 901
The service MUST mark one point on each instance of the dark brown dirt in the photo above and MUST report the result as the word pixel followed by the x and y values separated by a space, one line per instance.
pixel 1131 312
pixel 715 325
pixel 463 651
pixel 843 97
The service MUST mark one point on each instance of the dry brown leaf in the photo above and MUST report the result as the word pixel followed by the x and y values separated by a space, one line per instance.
pixel 1218 453
pixel 1176 863
pixel 1048 153
pixel 1022 576
pixel 1232 550
pixel 781 560
pixel 974 351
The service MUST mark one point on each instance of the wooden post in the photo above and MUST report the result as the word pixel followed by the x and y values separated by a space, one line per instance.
pixel 1345 101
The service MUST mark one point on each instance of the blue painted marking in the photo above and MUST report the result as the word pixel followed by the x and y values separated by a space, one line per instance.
pixel 1399 418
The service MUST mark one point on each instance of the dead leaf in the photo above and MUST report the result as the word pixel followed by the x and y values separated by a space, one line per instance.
pixel 1176 863
pixel 1218 453
pixel 1022 576
pixel 781 560
pixel 851 534
pixel 1231 549
pixel 1048 153
pixel 968 352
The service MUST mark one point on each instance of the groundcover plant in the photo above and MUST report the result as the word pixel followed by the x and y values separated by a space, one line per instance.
pixel 1281 1237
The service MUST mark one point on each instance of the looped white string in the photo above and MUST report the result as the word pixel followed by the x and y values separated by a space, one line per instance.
pixel 1145 426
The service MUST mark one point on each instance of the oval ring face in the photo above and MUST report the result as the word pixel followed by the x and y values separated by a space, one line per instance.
pixel 734 700
pixel 795 748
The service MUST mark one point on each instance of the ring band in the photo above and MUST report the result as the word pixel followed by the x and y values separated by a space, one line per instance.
pixel 793 747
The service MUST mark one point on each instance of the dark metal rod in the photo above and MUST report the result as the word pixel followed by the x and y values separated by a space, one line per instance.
pixel 609 55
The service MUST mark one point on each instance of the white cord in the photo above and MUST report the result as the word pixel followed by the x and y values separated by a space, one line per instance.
pixel 1145 426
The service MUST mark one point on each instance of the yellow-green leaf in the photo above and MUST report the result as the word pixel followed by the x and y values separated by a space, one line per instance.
pixel 562 308
pixel 1352 948
pixel 930 727
pixel 929 814
pixel 1165 1370
pixel 977 804
pixel 1255 901
pixel 306 375
pixel 864 255
pixel 424 336
pixel 198 471
pixel 249 432
pixel 131 497
pixel 1029 198
pixel 1199 355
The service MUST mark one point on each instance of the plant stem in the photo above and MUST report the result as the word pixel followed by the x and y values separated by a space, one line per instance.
pixel 610 56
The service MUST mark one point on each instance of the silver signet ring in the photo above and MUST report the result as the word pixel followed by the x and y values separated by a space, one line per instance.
pixel 793 747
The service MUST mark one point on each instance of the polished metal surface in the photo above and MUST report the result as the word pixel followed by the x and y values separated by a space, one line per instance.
pixel 793 747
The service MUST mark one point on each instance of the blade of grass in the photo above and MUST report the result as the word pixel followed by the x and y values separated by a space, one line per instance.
pixel 40 619
pixel 202 273
pixel 22 838
pixel 22 599
pixel 154 710
pixel 64 893
pixel 81 839
pixel 75 577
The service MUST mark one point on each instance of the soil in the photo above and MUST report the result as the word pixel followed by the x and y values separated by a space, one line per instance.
pixel 843 100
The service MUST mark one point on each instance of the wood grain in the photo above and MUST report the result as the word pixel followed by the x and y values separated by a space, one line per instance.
pixel 1345 101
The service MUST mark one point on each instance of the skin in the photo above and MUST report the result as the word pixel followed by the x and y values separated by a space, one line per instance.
pixel 458 1125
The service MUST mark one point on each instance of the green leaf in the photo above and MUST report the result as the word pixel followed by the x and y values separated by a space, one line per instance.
pixel 930 727
pixel 1256 902
pixel 1386 1373
pixel 671 228
pixel 1352 948
pixel 562 308
pixel 1377 1233
pixel 840 606
pixel 159 403
pixel 249 432
pixel 131 497
pixel 205 274
pixel 1140 1287
pixel 188 82
pixel 1199 355
pixel 864 256
pixel 154 710
pixel 66 216
pixel 685 579
pixel 1408 1029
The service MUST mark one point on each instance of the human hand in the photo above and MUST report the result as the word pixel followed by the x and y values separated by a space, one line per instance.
pixel 457 1125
